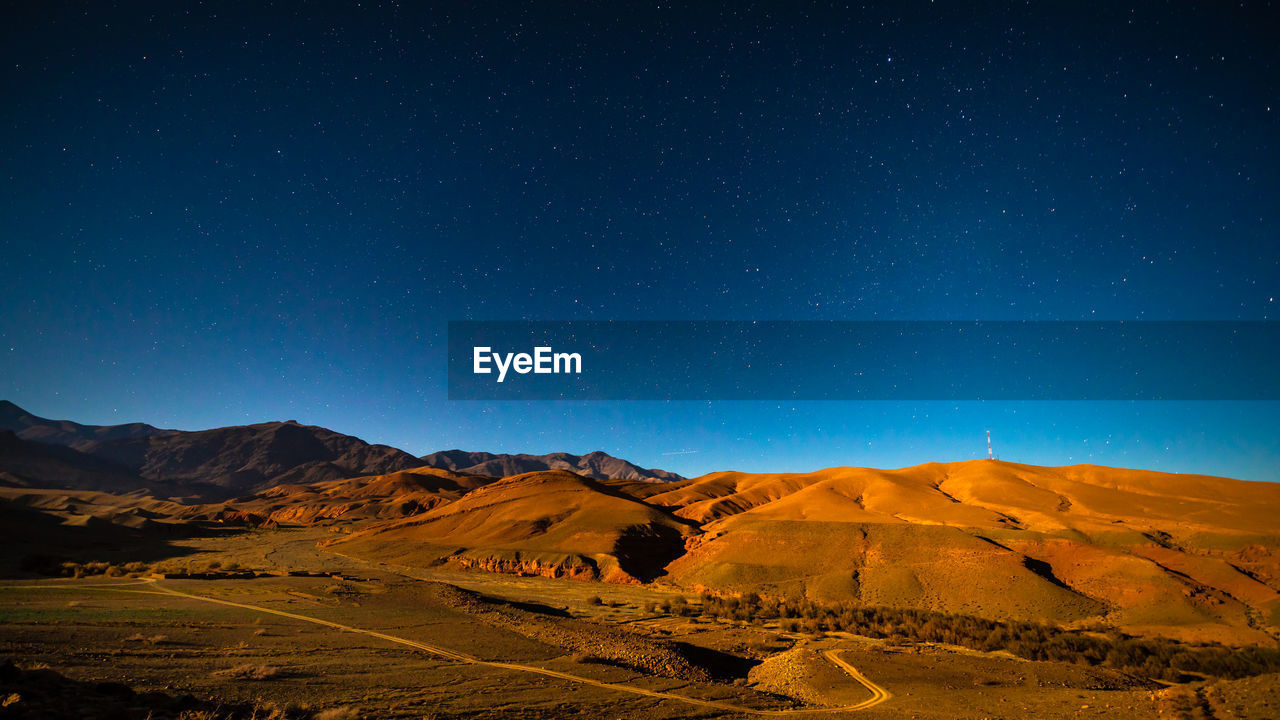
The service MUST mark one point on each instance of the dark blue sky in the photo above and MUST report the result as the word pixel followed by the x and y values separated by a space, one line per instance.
pixel 215 215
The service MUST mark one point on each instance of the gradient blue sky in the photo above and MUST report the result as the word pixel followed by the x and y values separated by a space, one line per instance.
pixel 215 216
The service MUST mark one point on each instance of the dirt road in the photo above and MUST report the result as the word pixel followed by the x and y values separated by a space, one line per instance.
pixel 878 694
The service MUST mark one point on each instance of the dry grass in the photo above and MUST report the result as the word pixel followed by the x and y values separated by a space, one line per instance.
pixel 250 672
pixel 47 565
pixel 148 639
pixel 345 712
pixel 259 711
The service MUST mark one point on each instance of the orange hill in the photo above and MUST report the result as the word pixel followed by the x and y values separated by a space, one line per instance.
pixel 552 523
pixel 372 497
pixel 1187 555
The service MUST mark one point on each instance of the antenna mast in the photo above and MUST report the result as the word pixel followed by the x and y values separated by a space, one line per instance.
pixel 990 455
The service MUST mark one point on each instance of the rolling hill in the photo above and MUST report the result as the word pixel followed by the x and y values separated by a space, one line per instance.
pixel 393 495
pixel 1186 556
pixel 552 523
pixel 1183 555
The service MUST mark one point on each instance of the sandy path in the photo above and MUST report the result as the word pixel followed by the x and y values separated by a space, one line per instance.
pixel 878 694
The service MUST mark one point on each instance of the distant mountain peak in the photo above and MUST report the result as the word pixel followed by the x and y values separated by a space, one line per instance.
pixel 29 426
pixel 216 463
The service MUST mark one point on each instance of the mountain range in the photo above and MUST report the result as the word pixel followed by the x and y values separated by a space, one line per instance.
pixel 229 462
pixel 597 465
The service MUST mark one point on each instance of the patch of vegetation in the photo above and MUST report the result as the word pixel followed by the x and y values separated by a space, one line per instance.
pixel 150 640
pixel 679 606
pixel 250 672
pixel 59 567
pixel 1156 658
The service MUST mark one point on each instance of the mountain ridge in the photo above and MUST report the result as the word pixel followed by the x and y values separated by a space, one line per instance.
pixel 29 463
pixel 223 463
pixel 213 464
pixel 29 426
pixel 597 465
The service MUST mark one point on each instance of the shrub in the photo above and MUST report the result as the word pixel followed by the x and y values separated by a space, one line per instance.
pixel 250 672
pixel 1155 658
pixel 150 640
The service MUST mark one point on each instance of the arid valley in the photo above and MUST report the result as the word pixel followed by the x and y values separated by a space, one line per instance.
pixel 639 361
pixel 283 570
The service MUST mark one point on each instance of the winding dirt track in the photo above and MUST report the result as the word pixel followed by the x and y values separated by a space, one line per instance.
pixel 878 694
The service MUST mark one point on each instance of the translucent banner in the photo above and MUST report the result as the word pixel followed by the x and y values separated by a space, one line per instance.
pixel 1005 360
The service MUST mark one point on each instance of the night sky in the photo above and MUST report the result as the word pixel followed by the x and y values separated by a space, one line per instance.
pixel 215 215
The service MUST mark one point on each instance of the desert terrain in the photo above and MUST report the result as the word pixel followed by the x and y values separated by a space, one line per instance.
pixel 280 570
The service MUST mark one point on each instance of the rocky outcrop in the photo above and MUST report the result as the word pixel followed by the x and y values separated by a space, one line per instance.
pixel 574 567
